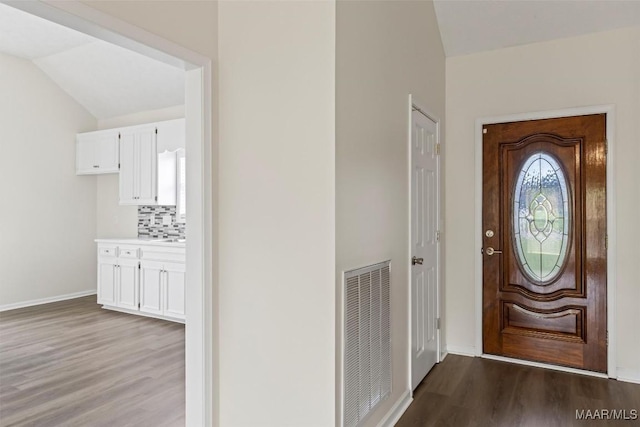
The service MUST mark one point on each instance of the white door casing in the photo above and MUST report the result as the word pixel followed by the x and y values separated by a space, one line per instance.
pixel 425 184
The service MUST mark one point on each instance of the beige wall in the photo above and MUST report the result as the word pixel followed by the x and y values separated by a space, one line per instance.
pixel 114 220
pixel 48 214
pixel 385 51
pixel 277 248
pixel 596 69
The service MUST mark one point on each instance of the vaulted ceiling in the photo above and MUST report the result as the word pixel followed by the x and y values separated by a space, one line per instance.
pixel 105 79
pixel 478 25
pixel 111 81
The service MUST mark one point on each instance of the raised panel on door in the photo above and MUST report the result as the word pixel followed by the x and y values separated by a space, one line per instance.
pixel 107 152
pixel 106 281
pixel 127 295
pixel 147 162
pixel 151 275
pixel 127 169
pixel 175 280
pixel 85 155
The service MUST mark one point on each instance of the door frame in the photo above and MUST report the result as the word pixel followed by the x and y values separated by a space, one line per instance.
pixel 200 341
pixel 413 103
pixel 609 110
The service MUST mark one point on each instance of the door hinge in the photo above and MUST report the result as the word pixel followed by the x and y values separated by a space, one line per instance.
pixel 607 338
pixel 438 149
pixel 118 165
pixel 606 242
pixel 138 266
pixel 156 131
pixel 438 236
pixel 156 198
pixel 606 146
pixel 138 305
pixel 438 323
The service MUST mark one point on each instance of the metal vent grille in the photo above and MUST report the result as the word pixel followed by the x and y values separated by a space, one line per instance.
pixel 367 346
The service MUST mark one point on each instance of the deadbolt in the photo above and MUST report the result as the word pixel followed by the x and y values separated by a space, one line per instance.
pixel 415 261
pixel 488 233
pixel 491 251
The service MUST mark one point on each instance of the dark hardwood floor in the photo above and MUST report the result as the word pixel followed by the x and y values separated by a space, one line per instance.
pixel 468 391
pixel 71 363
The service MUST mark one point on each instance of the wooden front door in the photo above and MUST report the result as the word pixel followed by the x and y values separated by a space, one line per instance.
pixel 544 241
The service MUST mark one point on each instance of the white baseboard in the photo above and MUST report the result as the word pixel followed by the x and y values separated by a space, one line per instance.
pixel 47 300
pixel 462 350
pixel 628 375
pixel 397 410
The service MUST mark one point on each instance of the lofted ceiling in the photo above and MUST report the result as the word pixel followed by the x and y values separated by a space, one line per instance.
pixel 105 79
pixel 469 26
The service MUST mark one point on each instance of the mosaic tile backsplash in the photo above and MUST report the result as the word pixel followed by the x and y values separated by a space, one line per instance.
pixel 150 223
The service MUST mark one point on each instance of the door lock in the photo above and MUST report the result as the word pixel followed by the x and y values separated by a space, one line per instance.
pixel 491 251
pixel 418 261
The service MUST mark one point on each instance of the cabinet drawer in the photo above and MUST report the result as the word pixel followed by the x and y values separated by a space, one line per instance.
pixel 107 251
pixel 128 253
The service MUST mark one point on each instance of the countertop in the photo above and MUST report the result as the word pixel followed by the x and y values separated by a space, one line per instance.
pixel 146 242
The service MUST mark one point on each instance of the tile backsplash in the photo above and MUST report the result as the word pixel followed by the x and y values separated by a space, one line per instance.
pixel 151 222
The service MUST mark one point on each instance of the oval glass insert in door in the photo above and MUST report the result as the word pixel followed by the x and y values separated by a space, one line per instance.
pixel 541 218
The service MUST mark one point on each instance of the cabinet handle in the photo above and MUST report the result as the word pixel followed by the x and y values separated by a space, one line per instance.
pixel 96 166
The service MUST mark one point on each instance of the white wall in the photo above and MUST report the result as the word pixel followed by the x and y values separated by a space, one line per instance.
pixel 114 220
pixel 48 215
pixel 595 69
pixel 385 51
pixel 276 213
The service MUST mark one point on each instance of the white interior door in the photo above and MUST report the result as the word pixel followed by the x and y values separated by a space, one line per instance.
pixel 425 184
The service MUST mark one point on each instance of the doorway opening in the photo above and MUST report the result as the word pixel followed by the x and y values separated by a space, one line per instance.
pixel 199 337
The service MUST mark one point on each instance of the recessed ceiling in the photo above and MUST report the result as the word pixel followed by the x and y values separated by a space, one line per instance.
pixel 105 79
pixel 480 25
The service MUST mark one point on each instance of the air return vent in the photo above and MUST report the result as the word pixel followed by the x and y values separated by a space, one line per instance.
pixel 367 341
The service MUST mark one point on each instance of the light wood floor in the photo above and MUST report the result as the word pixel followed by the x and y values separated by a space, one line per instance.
pixel 467 391
pixel 71 363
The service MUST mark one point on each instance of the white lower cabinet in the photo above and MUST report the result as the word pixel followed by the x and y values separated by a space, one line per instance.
pixel 162 288
pixel 127 284
pixel 140 280
pixel 174 289
pixel 107 280
pixel 151 287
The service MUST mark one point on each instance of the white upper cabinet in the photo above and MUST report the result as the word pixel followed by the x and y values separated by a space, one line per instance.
pixel 146 156
pixel 138 162
pixel 97 152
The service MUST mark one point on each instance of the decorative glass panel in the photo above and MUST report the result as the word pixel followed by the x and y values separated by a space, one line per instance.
pixel 541 217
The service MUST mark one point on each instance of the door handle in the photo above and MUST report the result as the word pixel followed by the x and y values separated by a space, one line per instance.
pixel 418 261
pixel 490 251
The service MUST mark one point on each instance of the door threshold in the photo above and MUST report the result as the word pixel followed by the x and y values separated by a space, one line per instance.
pixel 545 366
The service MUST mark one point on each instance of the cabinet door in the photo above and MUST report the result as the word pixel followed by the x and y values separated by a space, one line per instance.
pixel 151 287
pixel 127 289
pixel 128 169
pixel 174 290
pixel 106 151
pixel 146 147
pixel 107 281
pixel 85 154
